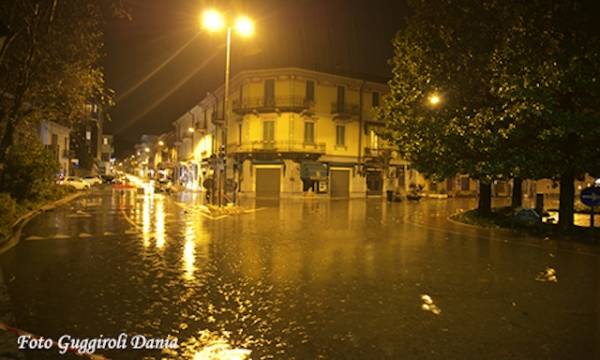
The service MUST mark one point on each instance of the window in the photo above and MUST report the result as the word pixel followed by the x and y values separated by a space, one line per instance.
pixel 268 130
pixel 240 134
pixel 373 140
pixel 54 139
pixel 375 100
pixel 310 91
pixel 105 141
pixel 309 133
pixel 341 97
pixel 270 92
pixel 340 135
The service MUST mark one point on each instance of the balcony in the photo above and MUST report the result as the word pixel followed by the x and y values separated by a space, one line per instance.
pixel 277 146
pixel 276 104
pixel 344 110
pixel 376 152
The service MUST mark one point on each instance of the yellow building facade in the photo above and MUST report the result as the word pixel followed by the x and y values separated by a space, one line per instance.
pixel 291 132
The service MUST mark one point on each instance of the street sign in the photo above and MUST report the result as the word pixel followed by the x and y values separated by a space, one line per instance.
pixel 591 196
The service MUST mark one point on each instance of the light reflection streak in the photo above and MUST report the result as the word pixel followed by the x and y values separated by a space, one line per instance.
pixel 189 253
pixel 159 214
pixel 146 222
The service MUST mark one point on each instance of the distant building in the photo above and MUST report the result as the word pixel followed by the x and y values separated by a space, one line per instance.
pixel 145 156
pixel 106 155
pixel 56 139
pixel 194 143
pixel 86 142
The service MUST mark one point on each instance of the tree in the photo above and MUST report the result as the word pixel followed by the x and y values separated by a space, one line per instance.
pixel 49 63
pixel 447 49
pixel 548 75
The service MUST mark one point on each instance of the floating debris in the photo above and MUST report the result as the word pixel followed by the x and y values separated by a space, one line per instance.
pixel 548 275
pixel 428 305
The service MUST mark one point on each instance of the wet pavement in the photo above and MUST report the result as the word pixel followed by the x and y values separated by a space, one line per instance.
pixel 313 279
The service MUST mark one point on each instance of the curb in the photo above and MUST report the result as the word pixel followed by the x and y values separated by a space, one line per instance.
pixel 594 242
pixel 20 223
pixel 460 223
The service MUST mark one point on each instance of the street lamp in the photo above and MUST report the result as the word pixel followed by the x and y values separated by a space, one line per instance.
pixel 434 99
pixel 213 21
pixel 161 143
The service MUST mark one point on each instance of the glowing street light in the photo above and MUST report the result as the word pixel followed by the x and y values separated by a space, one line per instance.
pixel 147 149
pixel 434 99
pixel 161 143
pixel 244 26
pixel 212 20
pixel 190 129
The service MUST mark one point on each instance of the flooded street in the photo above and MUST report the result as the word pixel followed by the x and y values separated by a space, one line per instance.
pixel 313 279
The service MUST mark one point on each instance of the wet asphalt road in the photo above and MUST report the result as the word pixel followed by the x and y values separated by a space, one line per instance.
pixel 314 279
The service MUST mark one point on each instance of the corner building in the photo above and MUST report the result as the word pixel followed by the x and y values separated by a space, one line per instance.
pixel 292 132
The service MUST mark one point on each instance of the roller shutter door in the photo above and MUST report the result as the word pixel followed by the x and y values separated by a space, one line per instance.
pixel 340 183
pixel 268 183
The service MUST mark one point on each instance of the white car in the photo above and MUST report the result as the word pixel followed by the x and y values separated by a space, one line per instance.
pixel 92 180
pixel 75 182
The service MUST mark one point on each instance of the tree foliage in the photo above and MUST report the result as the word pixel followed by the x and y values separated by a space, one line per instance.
pixel 547 73
pixel 520 83
pixel 447 50
pixel 49 62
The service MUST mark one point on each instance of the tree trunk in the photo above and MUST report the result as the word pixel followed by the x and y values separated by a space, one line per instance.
pixel 517 192
pixel 485 198
pixel 567 198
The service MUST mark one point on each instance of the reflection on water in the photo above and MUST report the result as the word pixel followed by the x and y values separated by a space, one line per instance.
pixel 189 253
pixel 318 280
pixel 159 213
pixel 146 219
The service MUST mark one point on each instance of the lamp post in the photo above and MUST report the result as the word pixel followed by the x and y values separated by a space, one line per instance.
pixel 213 21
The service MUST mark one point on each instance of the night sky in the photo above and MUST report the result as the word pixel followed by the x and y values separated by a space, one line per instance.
pixel 160 63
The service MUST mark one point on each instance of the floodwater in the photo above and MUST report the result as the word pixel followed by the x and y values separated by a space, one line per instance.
pixel 314 279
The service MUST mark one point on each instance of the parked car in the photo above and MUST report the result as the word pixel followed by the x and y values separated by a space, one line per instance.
pixel 108 179
pixel 75 182
pixel 92 180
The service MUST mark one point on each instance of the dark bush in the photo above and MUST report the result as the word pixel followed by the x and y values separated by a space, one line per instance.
pixel 29 171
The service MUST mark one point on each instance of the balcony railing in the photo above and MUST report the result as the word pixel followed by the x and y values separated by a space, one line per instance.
pixel 344 109
pixel 277 146
pixel 376 152
pixel 266 104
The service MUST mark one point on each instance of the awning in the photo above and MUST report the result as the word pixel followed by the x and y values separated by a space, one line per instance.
pixel 313 170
